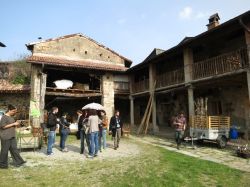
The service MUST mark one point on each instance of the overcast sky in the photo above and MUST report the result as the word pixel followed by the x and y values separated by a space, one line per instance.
pixel 133 28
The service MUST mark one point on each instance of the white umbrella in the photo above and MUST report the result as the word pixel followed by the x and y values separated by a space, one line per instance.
pixel 95 106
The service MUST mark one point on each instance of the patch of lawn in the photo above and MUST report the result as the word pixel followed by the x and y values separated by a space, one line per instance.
pixel 152 167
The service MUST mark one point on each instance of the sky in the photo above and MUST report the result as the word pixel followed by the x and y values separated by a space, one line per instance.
pixel 132 28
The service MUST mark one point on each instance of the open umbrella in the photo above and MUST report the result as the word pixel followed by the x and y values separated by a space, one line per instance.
pixel 95 106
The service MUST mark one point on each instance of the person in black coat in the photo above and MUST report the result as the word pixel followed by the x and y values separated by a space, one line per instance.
pixel 64 131
pixel 115 127
pixel 52 125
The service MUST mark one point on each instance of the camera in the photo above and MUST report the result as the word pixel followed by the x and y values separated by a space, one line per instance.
pixel 22 124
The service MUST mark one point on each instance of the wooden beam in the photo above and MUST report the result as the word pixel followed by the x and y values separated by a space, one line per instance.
pixel 73 94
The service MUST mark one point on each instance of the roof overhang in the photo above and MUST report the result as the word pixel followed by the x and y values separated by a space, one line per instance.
pixel 77 63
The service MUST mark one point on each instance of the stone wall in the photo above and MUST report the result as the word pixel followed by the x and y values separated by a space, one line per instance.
pixel 237 109
pixel 108 94
pixel 19 100
pixel 77 47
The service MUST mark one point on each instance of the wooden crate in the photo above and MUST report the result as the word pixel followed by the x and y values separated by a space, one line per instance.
pixel 209 122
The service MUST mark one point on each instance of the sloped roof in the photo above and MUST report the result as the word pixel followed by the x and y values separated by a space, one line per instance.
pixel 188 40
pixel 7 87
pixel 185 40
pixel 69 62
pixel 219 28
pixel 30 45
pixel 152 55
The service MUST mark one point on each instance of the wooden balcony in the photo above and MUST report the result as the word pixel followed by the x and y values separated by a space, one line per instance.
pixel 121 87
pixel 225 63
pixel 170 78
pixel 140 86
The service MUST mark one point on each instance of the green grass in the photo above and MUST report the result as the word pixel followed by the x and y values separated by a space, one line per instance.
pixel 153 167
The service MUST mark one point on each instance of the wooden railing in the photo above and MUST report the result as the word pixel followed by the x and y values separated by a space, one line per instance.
pixel 209 122
pixel 170 78
pixel 140 86
pixel 121 86
pixel 221 64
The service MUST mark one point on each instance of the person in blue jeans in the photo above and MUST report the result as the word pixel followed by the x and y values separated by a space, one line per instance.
pixel 93 122
pixel 64 131
pixel 103 130
pixel 51 125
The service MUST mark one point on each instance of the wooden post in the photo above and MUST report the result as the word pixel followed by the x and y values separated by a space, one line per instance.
pixel 152 85
pixel 132 118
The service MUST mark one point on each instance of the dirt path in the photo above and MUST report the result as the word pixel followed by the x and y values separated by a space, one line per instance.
pixel 205 153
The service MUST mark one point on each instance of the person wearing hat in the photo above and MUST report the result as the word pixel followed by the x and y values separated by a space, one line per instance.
pixel 64 131
pixel 8 139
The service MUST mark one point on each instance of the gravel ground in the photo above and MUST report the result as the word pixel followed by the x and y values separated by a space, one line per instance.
pixel 39 157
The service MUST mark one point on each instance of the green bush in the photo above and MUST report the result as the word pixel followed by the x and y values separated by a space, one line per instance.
pixel 21 79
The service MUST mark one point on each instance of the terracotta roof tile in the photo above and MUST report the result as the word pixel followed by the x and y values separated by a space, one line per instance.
pixel 87 63
pixel 7 87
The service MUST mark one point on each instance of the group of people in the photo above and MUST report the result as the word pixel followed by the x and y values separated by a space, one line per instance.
pixel 92 129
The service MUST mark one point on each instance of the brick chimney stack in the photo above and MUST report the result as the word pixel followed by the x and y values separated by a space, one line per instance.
pixel 213 21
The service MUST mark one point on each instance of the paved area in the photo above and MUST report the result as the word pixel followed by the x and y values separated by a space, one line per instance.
pixel 211 153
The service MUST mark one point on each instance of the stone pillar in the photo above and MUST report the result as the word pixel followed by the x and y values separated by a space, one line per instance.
pixel 188 74
pixel 132 116
pixel 43 79
pixel 188 64
pixel 108 95
pixel 190 101
pixel 35 96
pixel 152 85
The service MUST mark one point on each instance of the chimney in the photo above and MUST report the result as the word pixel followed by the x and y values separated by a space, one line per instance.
pixel 213 21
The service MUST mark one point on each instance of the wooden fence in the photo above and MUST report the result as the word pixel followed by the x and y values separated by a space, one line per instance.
pixel 140 86
pixel 121 86
pixel 170 78
pixel 221 64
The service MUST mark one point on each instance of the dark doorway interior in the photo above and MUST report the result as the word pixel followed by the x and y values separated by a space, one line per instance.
pixel 123 106
pixel 69 104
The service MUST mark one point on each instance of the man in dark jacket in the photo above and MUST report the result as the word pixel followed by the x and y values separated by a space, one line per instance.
pixel 52 124
pixel 64 130
pixel 115 127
